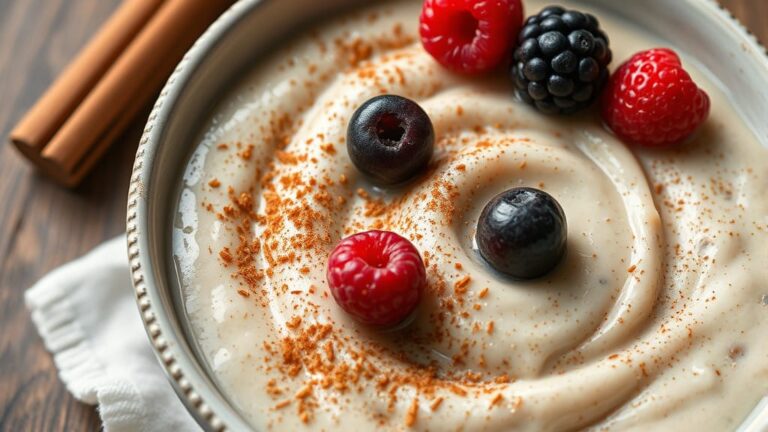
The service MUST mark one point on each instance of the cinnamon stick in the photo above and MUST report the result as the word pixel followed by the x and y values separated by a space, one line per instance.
pixel 75 144
pixel 61 99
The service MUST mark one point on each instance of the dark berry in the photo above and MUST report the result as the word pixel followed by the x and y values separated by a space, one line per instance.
pixel 551 10
pixel 582 42
pixel 564 52
pixel 528 50
pixel 390 139
pixel 552 43
pixel 536 70
pixel 522 233
pixel 565 62
pixel 574 20
pixel 537 90
pixel 552 23
pixel 560 86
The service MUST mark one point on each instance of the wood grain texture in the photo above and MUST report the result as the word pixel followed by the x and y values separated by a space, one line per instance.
pixel 43 226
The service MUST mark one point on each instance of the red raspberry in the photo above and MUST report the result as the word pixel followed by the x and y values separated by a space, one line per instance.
pixel 652 101
pixel 377 277
pixel 470 36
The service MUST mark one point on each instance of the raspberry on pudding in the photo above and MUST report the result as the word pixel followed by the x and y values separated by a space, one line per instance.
pixel 651 100
pixel 303 228
pixel 376 276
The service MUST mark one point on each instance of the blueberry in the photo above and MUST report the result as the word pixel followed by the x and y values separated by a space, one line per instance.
pixel 390 139
pixel 552 43
pixel 522 232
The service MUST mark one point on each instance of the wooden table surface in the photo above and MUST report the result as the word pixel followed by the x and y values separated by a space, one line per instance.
pixel 43 226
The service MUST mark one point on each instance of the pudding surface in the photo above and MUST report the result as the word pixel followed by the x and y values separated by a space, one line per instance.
pixel 656 318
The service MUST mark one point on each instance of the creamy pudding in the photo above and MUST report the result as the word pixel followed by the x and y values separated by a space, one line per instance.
pixel 656 318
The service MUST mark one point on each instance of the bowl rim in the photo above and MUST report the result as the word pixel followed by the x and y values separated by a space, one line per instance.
pixel 186 381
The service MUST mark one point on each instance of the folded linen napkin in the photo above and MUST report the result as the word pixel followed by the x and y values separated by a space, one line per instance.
pixel 86 314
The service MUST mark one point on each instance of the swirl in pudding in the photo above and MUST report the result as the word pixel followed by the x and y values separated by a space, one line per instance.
pixel 656 316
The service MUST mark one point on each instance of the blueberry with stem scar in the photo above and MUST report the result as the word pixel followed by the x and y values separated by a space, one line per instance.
pixel 522 233
pixel 390 139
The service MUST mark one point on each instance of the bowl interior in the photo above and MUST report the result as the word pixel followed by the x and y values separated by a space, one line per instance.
pixel 253 27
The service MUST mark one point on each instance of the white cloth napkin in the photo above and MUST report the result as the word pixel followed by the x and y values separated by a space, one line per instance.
pixel 87 316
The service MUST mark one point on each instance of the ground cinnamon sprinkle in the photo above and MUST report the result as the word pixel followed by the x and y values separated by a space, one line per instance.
pixel 412 414
pixel 436 404
pixel 328 148
pixel 294 322
pixel 226 255
pixel 247 153
pixel 496 400
pixel 460 287
pixel 214 183
pixel 282 404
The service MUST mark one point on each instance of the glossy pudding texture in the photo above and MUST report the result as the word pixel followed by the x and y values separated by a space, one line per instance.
pixel 656 317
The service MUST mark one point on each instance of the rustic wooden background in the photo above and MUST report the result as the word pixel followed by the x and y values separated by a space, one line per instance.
pixel 43 226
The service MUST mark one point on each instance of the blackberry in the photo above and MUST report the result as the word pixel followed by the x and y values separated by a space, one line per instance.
pixel 561 62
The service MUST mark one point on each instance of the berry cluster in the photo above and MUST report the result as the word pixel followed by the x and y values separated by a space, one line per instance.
pixel 559 65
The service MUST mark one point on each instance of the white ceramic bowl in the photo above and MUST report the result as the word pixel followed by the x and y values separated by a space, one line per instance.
pixel 233 44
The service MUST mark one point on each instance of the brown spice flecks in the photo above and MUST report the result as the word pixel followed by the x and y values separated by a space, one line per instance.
pixel 436 404
pixel 294 322
pixel 244 293
pixel 632 268
pixel 226 255
pixel 460 287
pixel 328 148
pixel 214 183
pixel 247 153
pixel 273 389
pixel 412 414
pixel 282 404
pixel 496 400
